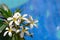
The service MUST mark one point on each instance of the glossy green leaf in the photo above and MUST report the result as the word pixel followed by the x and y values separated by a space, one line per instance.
pixel 18 10
pixel 4 12
pixel 13 38
pixel 1 22
pixel 2 27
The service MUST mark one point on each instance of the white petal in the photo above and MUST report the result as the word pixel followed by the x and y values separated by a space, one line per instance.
pixel 5 33
pixel 13 29
pixel 10 23
pixel 31 18
pixel 19 20
pixel 28 21
pixel 22 34
pixel 31 25
pixel 27 32
pixel 18 31
pixel 26 28
pixel 16 22
pixel 10 34
pixel 10 18
pixel 35 21
pixel 11 26
pixel 25 19
pixel 16 15
pixel 7 28
pixel 35 25
pixel 24 15
pixel 21 27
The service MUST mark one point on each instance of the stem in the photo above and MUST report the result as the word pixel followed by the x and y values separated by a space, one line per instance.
pixel 26 24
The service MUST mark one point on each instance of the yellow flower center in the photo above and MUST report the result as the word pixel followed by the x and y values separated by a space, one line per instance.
pixel 14 19
pixel 23 30
pixel 32 22
pixel 10 30
pixel 20 17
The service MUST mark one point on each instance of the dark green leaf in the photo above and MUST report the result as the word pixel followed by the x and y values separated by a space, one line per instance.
pixel 2 27
pixel 1 23
pixel 13 37
pixel 18 10
pixel 4 12
pixel 22 39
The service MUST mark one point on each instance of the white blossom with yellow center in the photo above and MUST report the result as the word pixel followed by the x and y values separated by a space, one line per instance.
pixel 32 22
pixel 24 30
pixel 23 17
pixel 9 31
pixel 14 19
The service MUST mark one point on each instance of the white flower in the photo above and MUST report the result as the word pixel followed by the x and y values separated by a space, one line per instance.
pixel 14 19
pixel 24 30
pixel 32 22
pixel 9 31
pixel 23 17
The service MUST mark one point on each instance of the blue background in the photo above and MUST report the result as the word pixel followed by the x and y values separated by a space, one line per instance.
pixel 46 11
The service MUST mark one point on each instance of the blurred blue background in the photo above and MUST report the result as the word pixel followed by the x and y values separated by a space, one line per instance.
pixel 46 11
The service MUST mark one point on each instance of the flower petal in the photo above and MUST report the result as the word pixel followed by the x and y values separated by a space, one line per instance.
pixel 35 21
pixel 13 29
pixel 16 22
pixel 31 25
pixel 7 28
pixel 16 15
pixel 24 15
pixel 25 19
pixel 10 18
pixel 18 31
pixel 35 25
pixel 22 34
pixel 19 20
pixel 10 23
pixel 27 32
pixel 10 34
pixel 5 33
pixel 28 21
pixel 31 18
pixel 26 28
pixel 21 27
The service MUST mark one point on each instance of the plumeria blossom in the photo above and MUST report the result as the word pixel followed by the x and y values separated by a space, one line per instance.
pixel 17 24
pixel 32 22
pixel 24 30
pixel 14 19
pixel 22 17
pixel 9 31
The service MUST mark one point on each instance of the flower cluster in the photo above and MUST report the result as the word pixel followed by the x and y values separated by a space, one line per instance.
pixel 19 24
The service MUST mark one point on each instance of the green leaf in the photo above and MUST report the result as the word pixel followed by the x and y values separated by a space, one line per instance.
pixel 16 37
pixel 13 37
pixel 22 39
pixel 2 27
pixel 6 13
pixel 1 22
pixel 17 10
